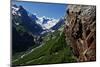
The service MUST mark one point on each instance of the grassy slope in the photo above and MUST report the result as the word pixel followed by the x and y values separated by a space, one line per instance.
pixel 55 50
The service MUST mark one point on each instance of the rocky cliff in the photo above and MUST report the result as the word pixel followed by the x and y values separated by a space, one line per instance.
pixel 80 31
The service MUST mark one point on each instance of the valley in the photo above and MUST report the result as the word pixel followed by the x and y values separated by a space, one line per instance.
pixel 38 40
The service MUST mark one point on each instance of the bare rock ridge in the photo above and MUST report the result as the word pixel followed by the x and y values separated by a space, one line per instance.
pixel 80 30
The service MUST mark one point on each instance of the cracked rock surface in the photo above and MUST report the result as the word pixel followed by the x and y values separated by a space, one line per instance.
pixel 80 30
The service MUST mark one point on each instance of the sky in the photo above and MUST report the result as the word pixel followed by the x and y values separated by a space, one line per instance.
pixel 52 10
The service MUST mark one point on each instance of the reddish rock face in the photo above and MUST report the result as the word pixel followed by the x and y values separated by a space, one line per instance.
pixel 80 30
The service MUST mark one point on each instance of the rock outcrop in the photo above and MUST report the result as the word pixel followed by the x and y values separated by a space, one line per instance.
pixel 80 30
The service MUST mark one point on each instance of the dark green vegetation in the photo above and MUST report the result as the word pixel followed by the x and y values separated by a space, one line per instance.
pixel 30 47
pixel 21 38
pixel 53 50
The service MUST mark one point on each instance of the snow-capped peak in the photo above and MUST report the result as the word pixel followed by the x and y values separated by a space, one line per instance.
pixel 15 10
pixel 46 23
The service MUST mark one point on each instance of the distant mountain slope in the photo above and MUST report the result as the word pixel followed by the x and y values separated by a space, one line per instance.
pixel 58 25
pixel 38 40
pixel 25 20
pixel 32 22
pixel 55 50
pixel 21 40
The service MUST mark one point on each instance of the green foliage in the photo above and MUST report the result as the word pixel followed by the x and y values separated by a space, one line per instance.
pixel 20 29
pixel 55 50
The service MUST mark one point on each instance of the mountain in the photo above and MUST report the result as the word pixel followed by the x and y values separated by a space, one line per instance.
pixel 53 50
pixel 24 30
pixel 38 40
pixel 58 25
pixel 33 23
pixel 21 40
pixel 44 22
pixel 32 17
pixel 29 24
